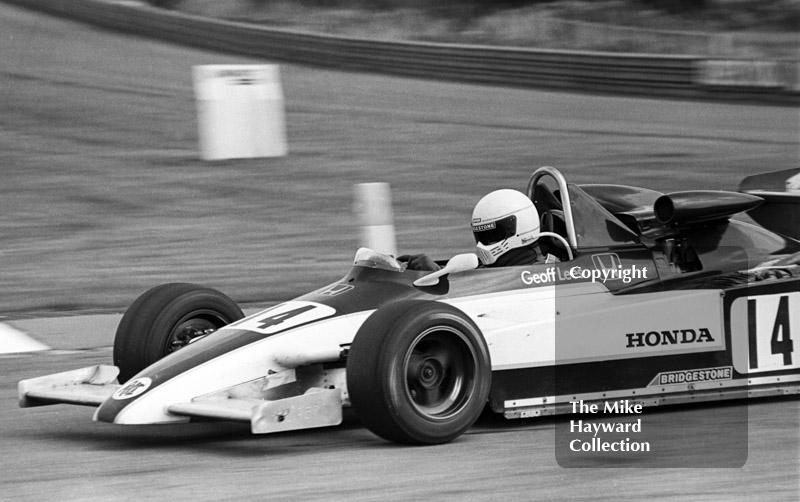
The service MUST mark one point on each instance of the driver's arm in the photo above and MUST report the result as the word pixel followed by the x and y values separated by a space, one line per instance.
pixel 419 262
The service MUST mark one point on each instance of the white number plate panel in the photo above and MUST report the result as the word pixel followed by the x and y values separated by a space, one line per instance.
pixel 766 333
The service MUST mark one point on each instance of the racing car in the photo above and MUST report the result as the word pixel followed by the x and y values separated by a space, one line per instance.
pixel 656 298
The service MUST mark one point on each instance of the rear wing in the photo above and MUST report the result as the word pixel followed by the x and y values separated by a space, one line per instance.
pixel 780 190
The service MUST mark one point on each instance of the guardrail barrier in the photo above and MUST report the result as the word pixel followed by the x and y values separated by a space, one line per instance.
pixel 682 77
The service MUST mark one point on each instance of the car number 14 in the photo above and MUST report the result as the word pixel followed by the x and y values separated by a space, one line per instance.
pixel 762 328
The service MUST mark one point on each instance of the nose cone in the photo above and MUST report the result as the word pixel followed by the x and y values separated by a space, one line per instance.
pixel 108 411
pixel 219 360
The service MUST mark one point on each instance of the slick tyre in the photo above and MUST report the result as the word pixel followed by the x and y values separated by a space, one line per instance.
pixel 166 318
pixel 418 372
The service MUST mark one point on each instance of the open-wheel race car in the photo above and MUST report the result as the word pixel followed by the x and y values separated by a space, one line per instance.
pixel 655 298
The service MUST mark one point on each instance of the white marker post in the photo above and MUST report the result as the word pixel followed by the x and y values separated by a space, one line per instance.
pixel 373 207
pixel 240 111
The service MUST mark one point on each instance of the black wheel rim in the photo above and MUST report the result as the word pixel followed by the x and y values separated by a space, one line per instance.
pixel 193 326
pixel 440 374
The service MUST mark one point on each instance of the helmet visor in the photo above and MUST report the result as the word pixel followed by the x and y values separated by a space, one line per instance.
pixel 496 231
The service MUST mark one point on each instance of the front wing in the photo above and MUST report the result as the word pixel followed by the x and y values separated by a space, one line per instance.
pixel 268 404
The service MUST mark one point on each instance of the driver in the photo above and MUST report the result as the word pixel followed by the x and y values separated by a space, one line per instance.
pixel 505 224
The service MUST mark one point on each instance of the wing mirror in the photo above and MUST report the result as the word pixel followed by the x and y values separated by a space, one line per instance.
pixel 458 263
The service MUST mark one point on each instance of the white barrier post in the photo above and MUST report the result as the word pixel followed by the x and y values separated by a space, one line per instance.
pixel 373 205
pixel 240 111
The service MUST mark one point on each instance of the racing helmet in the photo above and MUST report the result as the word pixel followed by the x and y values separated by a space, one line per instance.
pixel 501 221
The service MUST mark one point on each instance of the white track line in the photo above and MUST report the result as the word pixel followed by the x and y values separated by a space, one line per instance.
pixel 13 340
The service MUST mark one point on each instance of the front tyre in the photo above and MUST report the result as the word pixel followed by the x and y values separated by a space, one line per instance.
pixel 418 372
pixel 166 318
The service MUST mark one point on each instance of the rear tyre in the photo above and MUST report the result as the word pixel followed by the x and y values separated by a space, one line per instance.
pixel 418 372
pixel 166 318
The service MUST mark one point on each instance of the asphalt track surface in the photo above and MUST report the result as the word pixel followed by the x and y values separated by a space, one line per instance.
pixel 58 453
